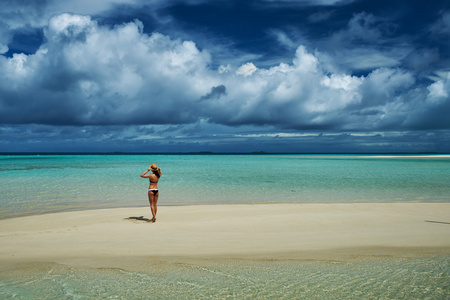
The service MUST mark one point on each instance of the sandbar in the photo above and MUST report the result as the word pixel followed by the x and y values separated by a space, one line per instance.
pixel 238 231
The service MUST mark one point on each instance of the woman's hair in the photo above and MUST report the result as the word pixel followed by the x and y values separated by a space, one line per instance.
pixel 157 173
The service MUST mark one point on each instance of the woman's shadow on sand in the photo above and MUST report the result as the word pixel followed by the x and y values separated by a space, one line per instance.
pixel 141 218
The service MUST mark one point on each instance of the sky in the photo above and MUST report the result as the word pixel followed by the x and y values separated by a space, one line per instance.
pixel 285 76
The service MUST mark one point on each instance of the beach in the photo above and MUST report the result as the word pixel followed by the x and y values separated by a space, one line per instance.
pixel 309 231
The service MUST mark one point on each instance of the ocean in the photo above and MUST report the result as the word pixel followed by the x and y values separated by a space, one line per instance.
pixel 38 184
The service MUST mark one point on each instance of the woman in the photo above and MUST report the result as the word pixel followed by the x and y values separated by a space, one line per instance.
pixel 153 193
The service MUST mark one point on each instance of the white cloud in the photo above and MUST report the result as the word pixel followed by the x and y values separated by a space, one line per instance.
pixel 344 82
pixel 278 134
pixel 68 25
pixel 224 69
pixel 382 85
pixel 146 137
pixel 439 91
pixel 90 74
pixel 366 59
pixel 246 69
pixel 306 62
pixel 5 37
pixel 103 74
pixel 314 2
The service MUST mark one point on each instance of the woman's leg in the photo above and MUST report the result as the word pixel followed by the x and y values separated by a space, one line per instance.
pixel 151 199
pixel 154 206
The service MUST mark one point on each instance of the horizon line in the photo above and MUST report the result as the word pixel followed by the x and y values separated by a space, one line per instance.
pixel 210 153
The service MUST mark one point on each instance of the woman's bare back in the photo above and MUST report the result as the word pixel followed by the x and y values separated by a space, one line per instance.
pixel 153 181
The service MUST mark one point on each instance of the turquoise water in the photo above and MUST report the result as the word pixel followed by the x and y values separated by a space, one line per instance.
pixel 393 278
pixel 32 184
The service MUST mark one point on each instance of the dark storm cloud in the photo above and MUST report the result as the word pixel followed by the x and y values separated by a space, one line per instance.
pixel 215 93
pixel 281 65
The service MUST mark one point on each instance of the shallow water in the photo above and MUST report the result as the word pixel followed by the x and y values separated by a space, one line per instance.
pixel 33 184
pixel 390 278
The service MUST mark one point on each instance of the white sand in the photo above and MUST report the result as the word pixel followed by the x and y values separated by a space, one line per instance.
pixel 308 231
